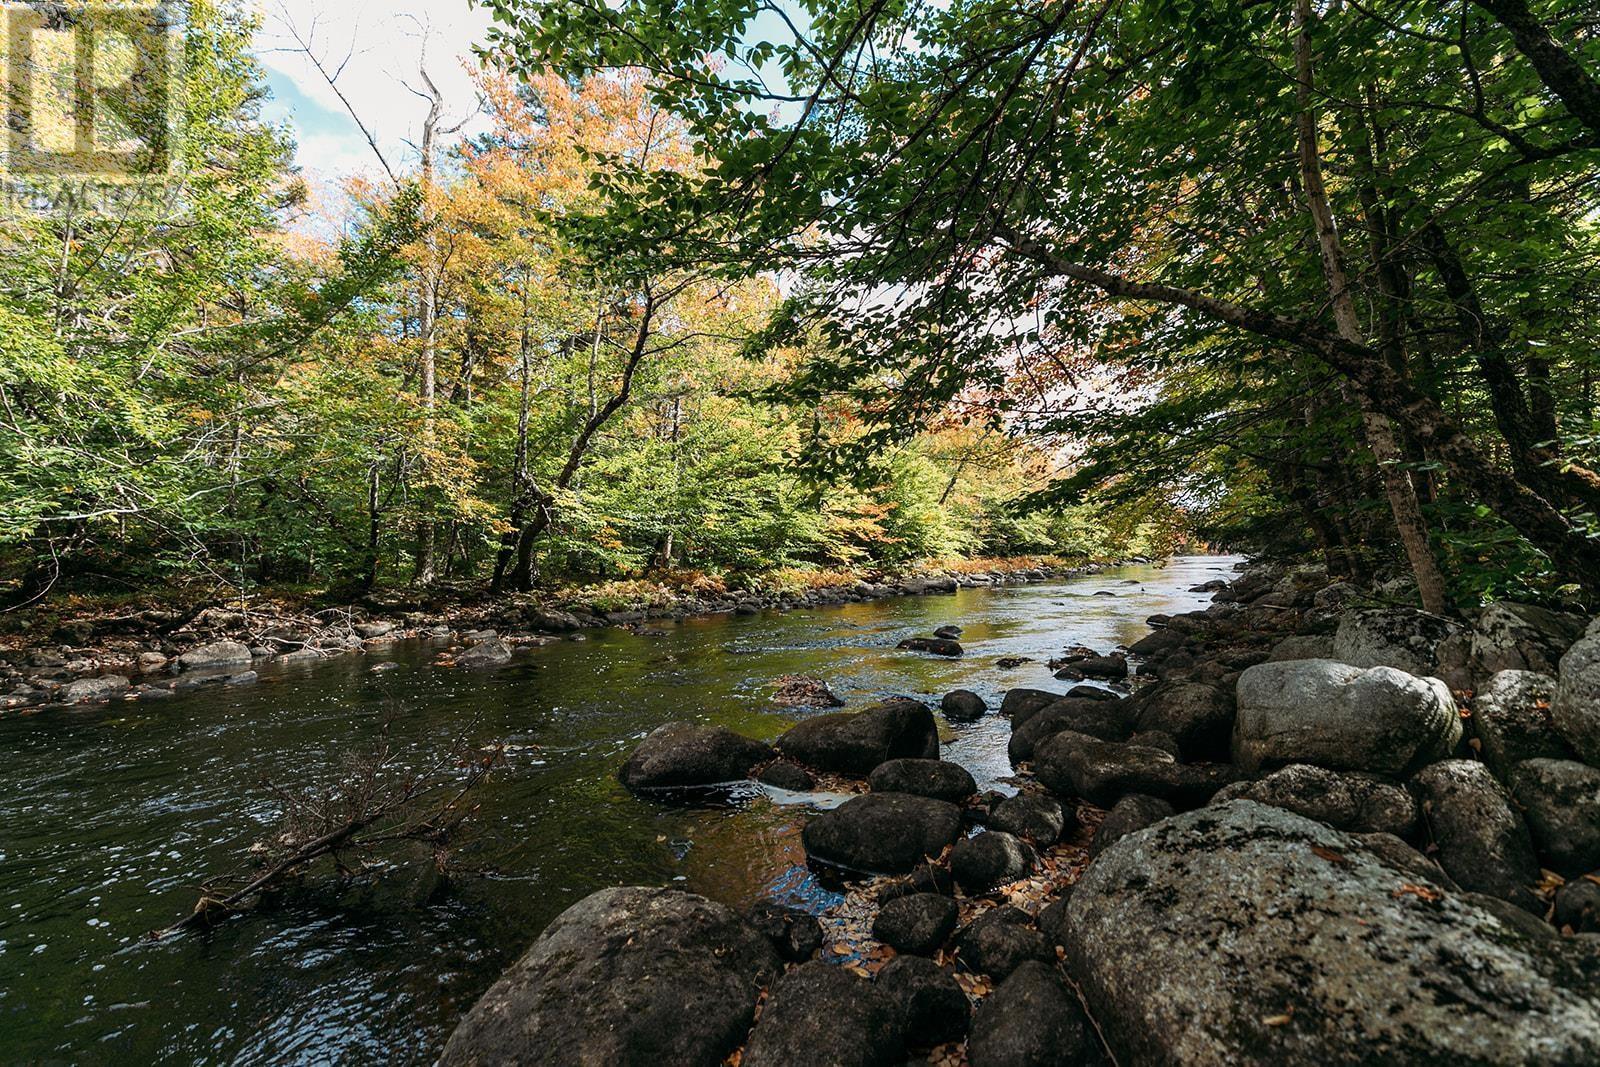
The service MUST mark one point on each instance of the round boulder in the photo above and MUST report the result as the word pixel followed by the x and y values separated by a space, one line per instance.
pixel 1512 717
pixel 983 861
pixel 1130 815
pixel 917 924
pixel 856 742
pixel 819 1015
pixel 1199 716
pixel 1560 800
pixel 923 778
pixel 933 1009
pixel 680 755
pixel 1248 934
pixel 1576 711
pixel 1379 719
pixel 1482 842
pixel 1031 1021
pixel 634 977
pixel 999 941
pixel 882 833
pixel 963 705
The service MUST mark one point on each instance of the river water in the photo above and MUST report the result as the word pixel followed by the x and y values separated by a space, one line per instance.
pixel 110 817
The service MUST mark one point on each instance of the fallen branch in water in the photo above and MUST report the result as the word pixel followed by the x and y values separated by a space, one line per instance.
pixel 376 803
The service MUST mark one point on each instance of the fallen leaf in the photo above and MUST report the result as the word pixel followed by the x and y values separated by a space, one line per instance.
pixel 1422 892
pixel 1330 855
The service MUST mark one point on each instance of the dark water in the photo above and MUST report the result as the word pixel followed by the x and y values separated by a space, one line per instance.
pixel 110 817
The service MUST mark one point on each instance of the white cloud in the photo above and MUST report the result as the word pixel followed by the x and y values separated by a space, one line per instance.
pixel 376 47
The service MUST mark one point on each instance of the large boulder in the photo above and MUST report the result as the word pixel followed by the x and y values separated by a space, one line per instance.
pixel 924 778
pixel 1097 718
pixel 882 833
pixel 1156 643
pixel 1199 716
pixel 1022 701
pixel 88 690
pixel 999 941
pixel 1343 717
pixel 1511 715
pixel 917 923
pixel 1405 639
pixel 983 861
pixel 1522 637
pixel 855 742
pixel 933 1009
pixel 1576 710
pixel 820 1015
pixel 1481 840
pixel 1072 764
pixel 632 977
pixel 215 656
pixel 1360 803
pixel 1031 1020
pixel 1245 934
pixel 1302 646
pixel 1560 800
pixel 683 755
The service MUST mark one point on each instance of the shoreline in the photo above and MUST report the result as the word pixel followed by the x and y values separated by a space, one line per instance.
pixel 96 657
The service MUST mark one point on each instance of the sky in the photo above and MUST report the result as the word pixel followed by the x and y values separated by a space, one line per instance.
pixel 383 40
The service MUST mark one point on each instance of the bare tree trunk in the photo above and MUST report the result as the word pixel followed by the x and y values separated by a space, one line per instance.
pixel 425 569
pixel 1381 435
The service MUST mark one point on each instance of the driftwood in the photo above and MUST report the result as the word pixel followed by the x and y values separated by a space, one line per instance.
pixel 377 803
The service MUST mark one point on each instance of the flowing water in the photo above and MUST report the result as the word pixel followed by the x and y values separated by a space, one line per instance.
pixel 110 817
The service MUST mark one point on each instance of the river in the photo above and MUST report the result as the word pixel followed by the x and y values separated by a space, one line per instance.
pixel 111 816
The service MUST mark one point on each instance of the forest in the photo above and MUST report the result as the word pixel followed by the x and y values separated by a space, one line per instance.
pixel 820 302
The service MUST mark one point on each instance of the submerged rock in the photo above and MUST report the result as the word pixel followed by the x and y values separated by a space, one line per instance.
pixel 1244 934
pixel 631 977
pixel 681 755
pixel 937 646
pixel 856 742
pixel 490 652
pixel 882 833
pixel 963 705
pixel 1343 717
pixel 87 690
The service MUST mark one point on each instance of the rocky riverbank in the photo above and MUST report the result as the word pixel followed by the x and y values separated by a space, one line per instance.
pixel 158 652
pixel 1319 828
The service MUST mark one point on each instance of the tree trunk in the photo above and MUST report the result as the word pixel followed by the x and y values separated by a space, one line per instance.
pixel 1561 72
pixel 1381 435
pixel 427 316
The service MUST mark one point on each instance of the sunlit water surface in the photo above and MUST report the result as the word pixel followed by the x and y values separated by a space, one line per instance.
pixel 110 817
